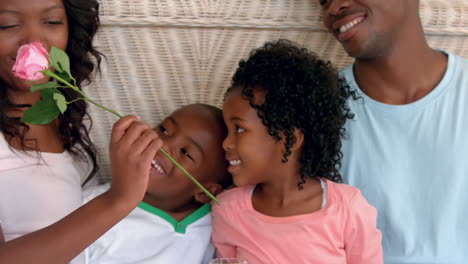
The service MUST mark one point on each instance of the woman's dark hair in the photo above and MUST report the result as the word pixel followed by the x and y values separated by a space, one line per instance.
pixel 302 92
pixel 83 23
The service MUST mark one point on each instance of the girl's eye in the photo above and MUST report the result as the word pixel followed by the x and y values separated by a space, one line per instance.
pixel 239 130
pixel 186 153
pixel 164 130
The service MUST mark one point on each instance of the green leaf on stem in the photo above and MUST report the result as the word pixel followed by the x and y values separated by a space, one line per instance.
pixel 61 78
pixel 59 60
pixel 52 84
pixel 65 76
pixel 60 101
pixel 43 111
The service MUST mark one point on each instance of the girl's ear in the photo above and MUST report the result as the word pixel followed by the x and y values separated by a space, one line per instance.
pixel 298 138
pixel 213 188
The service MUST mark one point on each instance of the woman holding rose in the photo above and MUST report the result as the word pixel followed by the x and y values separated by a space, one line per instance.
pixel 44 167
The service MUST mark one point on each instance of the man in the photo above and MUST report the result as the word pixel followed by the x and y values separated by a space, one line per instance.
pixel 407 147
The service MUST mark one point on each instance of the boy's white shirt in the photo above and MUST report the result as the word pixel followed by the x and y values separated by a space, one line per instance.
pixel 148 235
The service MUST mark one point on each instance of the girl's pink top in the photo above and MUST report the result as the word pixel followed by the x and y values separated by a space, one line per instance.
pixel 342 232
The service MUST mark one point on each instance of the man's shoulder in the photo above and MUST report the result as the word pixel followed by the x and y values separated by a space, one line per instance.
pixel 457 60
pixel 347 72
pixel 457 57
pixel 347 75
pixel 456 75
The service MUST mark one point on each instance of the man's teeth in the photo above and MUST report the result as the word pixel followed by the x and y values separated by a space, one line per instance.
pixel 349 25
pixel 234 162
pixel 155 165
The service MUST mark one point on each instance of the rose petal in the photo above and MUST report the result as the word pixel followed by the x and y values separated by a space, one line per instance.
pixel 33 72
pixel 30 59
pixel 37 58
pixel 40 48
pixel 23 49
pixel 21 58
pixel 19 75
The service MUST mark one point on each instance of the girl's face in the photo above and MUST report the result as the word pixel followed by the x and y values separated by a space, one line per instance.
pixel 26 21
pixel 252 153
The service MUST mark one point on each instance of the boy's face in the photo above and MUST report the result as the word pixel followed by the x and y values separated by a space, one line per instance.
pixel 367 28
pixel 252 153
pixel 193 138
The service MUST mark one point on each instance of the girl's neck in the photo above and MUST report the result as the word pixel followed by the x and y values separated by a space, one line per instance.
pixel 281 200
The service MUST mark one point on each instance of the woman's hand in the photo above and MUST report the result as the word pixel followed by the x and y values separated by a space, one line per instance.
pixel 132 148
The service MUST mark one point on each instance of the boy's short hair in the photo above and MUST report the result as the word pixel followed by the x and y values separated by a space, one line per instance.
pixel 220 175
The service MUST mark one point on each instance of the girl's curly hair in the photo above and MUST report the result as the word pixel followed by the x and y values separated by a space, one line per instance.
pixel 302 92
pixel 83 23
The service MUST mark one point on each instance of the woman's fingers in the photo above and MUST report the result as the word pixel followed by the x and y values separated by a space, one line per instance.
pixel 120 127
pixel 144 140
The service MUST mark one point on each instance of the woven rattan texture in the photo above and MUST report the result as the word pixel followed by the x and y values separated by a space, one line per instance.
pixel 162 54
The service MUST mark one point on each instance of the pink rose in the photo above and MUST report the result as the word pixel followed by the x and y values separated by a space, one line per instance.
pixel 30 60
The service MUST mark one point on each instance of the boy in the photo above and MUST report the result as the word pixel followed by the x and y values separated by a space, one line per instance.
pixel 173 222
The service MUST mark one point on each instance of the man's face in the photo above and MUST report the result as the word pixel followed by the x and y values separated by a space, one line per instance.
pixel 367 29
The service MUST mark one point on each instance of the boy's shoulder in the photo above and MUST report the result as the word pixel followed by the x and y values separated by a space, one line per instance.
pixel 159 239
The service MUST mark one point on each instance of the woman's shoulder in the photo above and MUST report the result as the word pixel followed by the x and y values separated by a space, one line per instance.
pixel 92 192
pixel 4 147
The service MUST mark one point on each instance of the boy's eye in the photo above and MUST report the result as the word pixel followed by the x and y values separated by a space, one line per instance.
pixel 164 130
pixel 186 153
pixel 239 130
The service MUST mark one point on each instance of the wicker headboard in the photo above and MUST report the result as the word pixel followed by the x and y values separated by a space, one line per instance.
pixel 162 54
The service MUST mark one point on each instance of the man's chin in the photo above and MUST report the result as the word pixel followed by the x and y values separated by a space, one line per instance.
pixel 368 49
pixel 354 50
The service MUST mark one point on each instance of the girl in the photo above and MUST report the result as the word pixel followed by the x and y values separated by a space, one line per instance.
pixel 285 113
pixel 42 168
